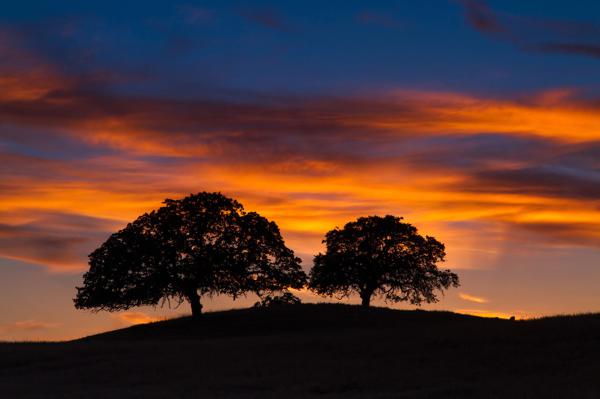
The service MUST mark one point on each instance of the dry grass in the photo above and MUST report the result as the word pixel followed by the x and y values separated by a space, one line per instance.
pixel 324 351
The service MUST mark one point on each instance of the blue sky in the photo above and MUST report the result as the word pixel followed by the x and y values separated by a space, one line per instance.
pixel 317 47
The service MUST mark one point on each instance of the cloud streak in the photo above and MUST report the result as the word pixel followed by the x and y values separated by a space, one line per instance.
pixel 534 34
pixel 56 239
pixel 26 326
pixel 32 325
pixel 472 298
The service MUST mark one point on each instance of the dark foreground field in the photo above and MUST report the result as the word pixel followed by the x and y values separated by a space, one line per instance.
pixel 316 351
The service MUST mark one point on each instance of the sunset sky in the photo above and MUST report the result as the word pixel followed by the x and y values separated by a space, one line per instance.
pixel 478 122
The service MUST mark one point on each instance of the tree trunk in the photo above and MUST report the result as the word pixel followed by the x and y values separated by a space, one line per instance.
pixel 194 300
pixel 366 299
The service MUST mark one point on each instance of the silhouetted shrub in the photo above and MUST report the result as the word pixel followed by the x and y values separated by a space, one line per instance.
pixel 287 298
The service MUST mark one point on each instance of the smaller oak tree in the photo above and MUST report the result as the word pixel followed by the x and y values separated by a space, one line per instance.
pixel 381 256
pixel 204 244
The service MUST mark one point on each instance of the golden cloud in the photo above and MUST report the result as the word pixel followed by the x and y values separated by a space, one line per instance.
pixel 136 318
pixel 472 298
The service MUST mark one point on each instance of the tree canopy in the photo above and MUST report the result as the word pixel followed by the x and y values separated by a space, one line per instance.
pixel 204 244
pixel 381 256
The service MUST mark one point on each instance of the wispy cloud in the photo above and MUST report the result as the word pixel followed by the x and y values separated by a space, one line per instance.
pixel 481 17
pixel 472 298
pixel 56 239
pixel 534 34
pixel 27 325
pixel 590 50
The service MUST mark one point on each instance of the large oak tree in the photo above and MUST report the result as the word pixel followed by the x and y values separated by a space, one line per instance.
pixel 381 256
pixel 202 245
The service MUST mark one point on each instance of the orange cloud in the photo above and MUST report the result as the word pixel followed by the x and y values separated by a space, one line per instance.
pixel 136 318
pixel 472 298
pixel 25 88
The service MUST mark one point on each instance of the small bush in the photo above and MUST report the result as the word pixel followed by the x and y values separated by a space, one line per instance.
pixel 285 299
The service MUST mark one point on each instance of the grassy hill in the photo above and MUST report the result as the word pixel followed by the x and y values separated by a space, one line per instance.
pixel 316 351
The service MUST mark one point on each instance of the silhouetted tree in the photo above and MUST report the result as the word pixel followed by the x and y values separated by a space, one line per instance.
pixel 381 256
pixel 204 244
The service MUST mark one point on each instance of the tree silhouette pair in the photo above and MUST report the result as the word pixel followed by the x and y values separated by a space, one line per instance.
pixel 206 244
